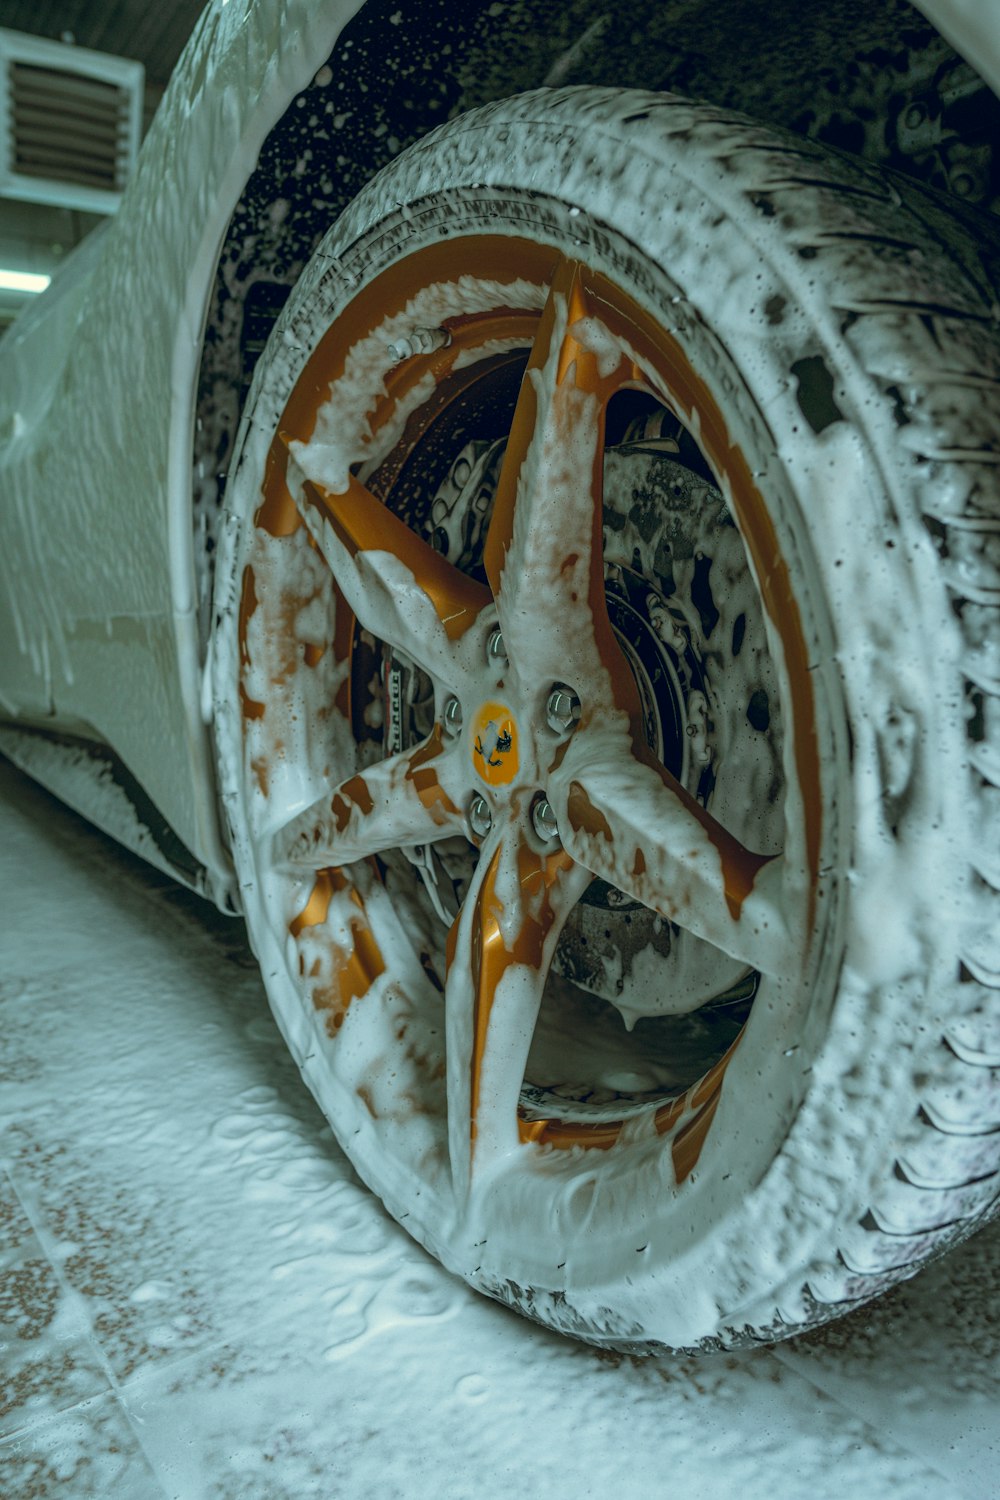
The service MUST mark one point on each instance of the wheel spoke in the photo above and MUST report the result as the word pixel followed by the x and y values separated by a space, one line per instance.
pixel 399 588
pixel 629 821
pixel 499 952
pixel 396 803
pixel 547 515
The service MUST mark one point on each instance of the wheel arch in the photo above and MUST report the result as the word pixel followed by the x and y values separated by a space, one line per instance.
pixel 399 68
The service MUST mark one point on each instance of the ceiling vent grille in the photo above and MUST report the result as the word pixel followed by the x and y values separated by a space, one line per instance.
pixel 70 121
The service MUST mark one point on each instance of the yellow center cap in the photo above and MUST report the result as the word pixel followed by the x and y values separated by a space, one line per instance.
pixel 494 744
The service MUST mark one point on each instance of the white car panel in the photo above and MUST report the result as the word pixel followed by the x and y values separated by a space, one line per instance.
pixel 105 635
pixel 973 29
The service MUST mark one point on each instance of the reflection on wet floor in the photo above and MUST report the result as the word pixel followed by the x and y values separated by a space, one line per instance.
pixel 199 1298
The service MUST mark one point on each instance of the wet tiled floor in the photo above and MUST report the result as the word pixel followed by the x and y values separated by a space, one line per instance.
pixel 199 1299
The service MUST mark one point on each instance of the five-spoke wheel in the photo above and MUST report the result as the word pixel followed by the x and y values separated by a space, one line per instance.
pixel 547 782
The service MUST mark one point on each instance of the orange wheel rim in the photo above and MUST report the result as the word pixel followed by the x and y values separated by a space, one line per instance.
pixel 355 520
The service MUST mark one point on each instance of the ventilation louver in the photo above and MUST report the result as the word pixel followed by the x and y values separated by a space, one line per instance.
pixel 70 121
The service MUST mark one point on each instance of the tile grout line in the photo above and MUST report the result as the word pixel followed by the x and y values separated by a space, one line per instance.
pixel 906 1447
pixel 118 1388
pixel 41 1233
pixel 44 1238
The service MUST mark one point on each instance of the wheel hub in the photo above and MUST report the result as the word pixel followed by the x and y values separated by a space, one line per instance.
pixel 495 744
pixel 681 647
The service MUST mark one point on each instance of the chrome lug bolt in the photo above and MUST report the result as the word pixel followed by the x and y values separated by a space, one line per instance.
pixel 452 717
pixel 543 820
pixel 480 817
pixel 562 709
pixel 495 651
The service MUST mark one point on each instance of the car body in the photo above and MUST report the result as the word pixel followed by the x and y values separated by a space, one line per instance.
pixel 129 399
pixel 104 602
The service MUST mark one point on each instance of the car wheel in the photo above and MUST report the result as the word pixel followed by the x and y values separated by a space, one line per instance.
pixel 605 674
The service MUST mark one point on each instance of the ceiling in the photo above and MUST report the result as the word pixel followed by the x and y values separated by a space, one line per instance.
pixel 34 236
pixel 151 34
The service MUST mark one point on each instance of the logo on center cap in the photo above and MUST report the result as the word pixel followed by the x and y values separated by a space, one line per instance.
pixel 494 745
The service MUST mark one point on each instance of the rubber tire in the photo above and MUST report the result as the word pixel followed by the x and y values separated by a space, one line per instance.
pixel 853 328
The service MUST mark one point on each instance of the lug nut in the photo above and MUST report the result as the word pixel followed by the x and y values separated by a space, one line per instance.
pixel 562 709
pixel 452 717
pixel 418 341
pixel 495 651
pixel 543 820
pixel 480 817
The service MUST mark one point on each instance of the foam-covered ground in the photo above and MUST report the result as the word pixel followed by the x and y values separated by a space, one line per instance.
pixel 199 1299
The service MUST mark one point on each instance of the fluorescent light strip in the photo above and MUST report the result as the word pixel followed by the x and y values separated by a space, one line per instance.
pixel 23 281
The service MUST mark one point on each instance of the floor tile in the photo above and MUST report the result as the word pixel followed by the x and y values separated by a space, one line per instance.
pixel 47 1359
pixel 477 1403
pixel 149 1190
pixel 269 1332
pixel 88 1453
pixel 923 1364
